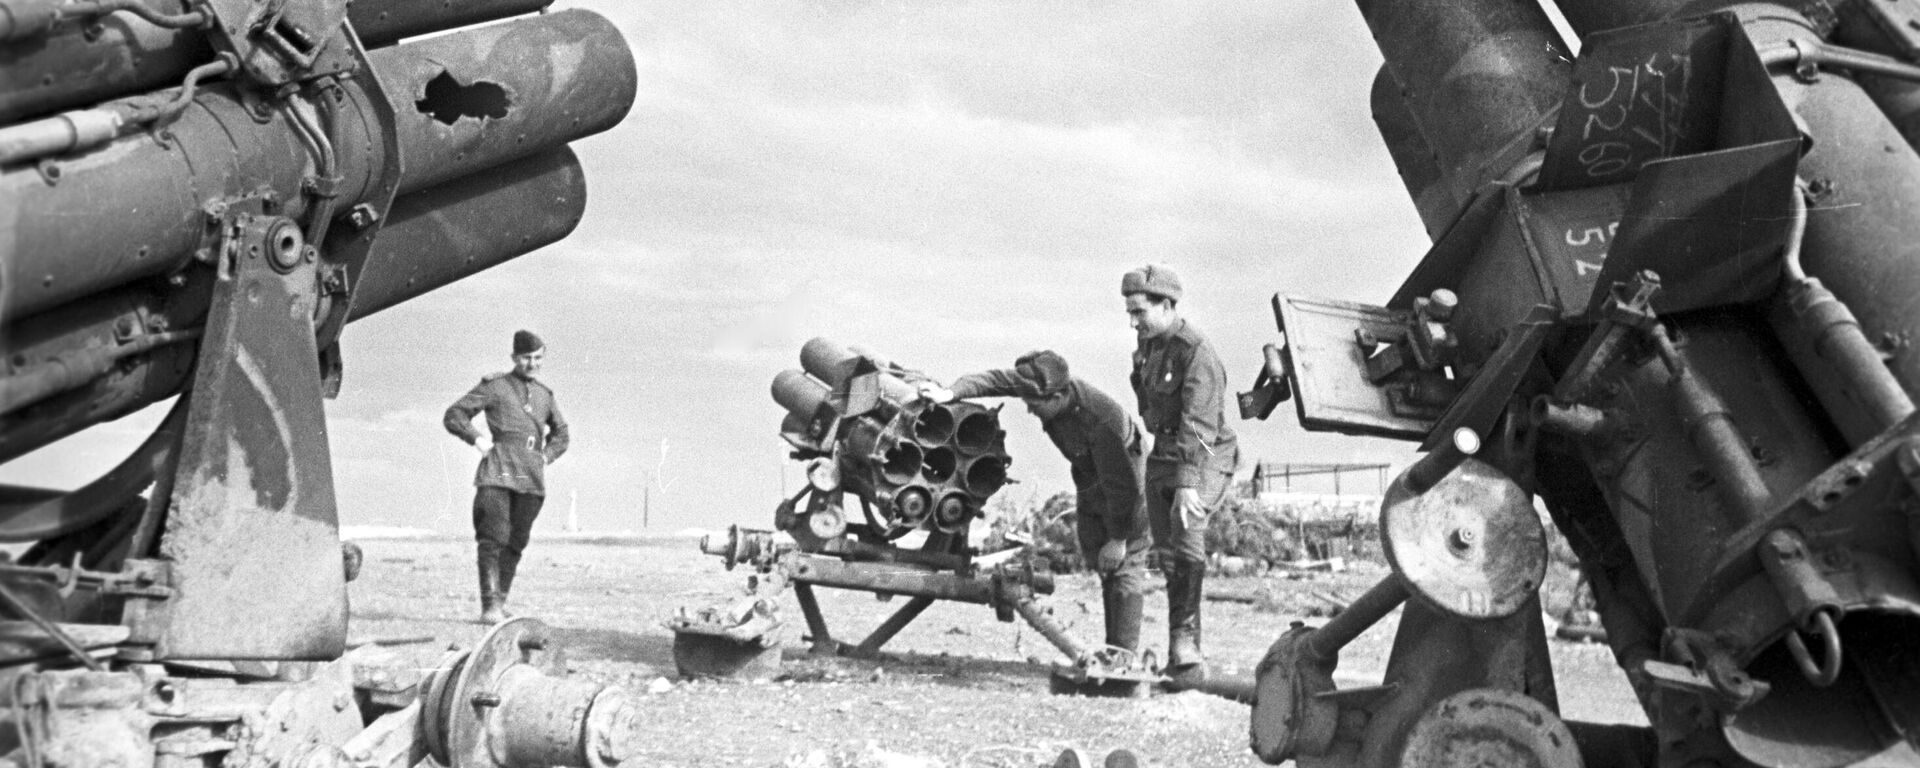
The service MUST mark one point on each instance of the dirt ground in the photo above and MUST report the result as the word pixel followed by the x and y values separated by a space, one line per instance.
pixel 956 688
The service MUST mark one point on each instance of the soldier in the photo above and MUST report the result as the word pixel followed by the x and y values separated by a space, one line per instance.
pixel 1103 450
pixel 1182 389
pixel 528 433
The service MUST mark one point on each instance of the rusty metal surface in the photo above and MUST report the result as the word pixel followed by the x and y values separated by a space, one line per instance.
pixel 1490 728
pixel 143 200
pixel 253 532
pixel 1472 544
pixel 1479 76
pixel 1328 368
pixel 74 66
pixel 537 82
pixel 382 22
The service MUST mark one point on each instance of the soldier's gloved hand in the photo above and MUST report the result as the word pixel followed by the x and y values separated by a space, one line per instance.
pixel 935 393
pixel 483 444
pixel 1186 501
pixel 1112 554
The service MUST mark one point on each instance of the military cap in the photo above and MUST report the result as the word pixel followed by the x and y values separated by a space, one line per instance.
pixel 1043 373
pixel 1154 279
pixel 525 341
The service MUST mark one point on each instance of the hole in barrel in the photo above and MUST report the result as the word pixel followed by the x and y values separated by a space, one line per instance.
pixel 985 476
pixel 977 432
pixel 934 426
pixel 447 100
pixel 939 464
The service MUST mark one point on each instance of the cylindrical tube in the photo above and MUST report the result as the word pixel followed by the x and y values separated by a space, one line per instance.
pixel 541 720
pixel 977 432
pixel 1854 363
pixel 443 233
pixel 1433 467
pixel 381 22
pixel 1478 77
pixel 934 426
pixel 799 393
pixel 939 464
pixel 121 54
pixel 1049 629
pixel 538 82
pixel 952 511
pixel 911 505
pixel 833 363
pixel 60 133
pixel 1324 643
pixel 1576 419
pixel 1715 437
pixel 984 476
pixel 1411 155
pixel 142 201
pixel 901 463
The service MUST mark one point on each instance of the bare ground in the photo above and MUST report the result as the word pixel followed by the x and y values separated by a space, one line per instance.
pixel 956 688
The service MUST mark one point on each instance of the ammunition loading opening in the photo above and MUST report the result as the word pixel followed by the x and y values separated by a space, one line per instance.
pixel 940 464
pixel 447 100
pixel 976 432
pixel 934 427
pixel 902 462
pixel 985 476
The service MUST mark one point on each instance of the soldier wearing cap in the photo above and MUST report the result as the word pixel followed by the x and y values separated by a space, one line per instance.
pixel 1182 389
pixel 527 433
pixel 1103 450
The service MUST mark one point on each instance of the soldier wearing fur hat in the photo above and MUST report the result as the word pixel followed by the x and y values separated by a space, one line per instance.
pixel 525 433
pixel 1182 389
pixel 1103 451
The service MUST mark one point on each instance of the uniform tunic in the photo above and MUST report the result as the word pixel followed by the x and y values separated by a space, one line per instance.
pixel 528 431
pixel 1102 449
pixel 1182 389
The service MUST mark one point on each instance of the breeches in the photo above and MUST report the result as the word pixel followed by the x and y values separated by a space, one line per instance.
pixel 1175 539
pixel 503 519
pixel 1092 532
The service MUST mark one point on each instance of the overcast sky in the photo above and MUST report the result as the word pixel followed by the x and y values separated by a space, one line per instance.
pixel 951 183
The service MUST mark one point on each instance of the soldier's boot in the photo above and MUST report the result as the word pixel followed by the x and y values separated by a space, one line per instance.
pixel 488 561
pixel 1184 659
pixel 1124 607
pixel 509 565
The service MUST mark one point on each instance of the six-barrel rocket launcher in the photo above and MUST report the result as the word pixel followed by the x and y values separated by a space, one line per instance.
pixel 116 236
pixel 857 420
pixel 1673 282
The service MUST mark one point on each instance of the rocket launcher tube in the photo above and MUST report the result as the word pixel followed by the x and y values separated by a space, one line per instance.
pixel 431 238
pixel 143 200
pixel 76 65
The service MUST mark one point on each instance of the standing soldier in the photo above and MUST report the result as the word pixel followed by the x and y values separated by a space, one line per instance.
pixel 1182 389
pixel 528 433
pixel 1103 451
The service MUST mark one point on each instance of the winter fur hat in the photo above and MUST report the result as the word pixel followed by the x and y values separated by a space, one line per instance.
pixel 1043 373
pixel 1155 279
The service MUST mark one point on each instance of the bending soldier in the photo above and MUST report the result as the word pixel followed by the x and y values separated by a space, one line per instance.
pixel 1182 389
pixel 1103 449
pixel 527 433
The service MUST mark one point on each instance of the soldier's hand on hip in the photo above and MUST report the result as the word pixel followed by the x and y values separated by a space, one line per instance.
pixel 483 444
pixel 1112 554
pixel 1186 501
